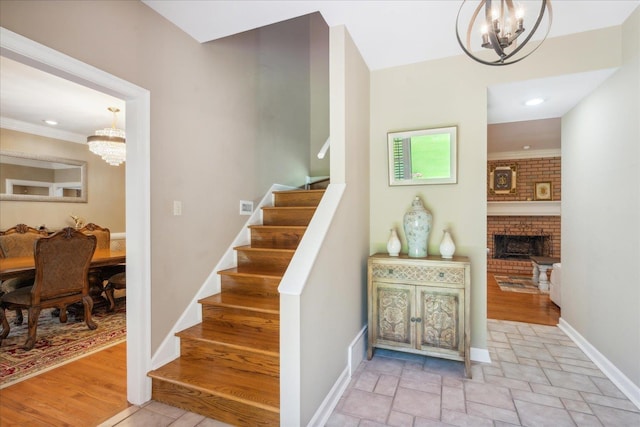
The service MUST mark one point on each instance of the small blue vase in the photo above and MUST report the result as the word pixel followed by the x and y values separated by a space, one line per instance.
pixel 417 225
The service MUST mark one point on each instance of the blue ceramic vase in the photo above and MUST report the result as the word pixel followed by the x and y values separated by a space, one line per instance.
pixel 417 225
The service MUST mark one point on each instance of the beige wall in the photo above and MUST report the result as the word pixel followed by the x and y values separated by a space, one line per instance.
pixel 601 211
pixel 204 126
pixel 105 187
pixel 283 100
pixel 319 59
pixel 448 92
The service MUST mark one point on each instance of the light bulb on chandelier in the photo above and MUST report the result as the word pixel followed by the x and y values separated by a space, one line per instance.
pixel 498 29
pixel 109 143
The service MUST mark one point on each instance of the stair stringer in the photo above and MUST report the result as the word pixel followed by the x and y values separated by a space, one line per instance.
pixel 169 349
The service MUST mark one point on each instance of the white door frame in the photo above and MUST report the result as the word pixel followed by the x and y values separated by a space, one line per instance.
pixel 138 224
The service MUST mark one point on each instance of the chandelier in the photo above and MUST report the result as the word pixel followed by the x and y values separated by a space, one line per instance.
pixel 501 28
pixel 109 143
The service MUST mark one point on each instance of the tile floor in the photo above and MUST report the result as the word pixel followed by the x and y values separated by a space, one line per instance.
pixel 538 377
pixel 156 414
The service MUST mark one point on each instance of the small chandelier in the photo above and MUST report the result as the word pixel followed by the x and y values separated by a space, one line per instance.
pixel 109 143
pixel 499 28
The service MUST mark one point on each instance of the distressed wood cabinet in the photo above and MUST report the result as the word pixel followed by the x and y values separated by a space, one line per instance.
pixel 420 305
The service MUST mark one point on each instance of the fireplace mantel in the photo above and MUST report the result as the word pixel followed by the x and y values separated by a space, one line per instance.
pixel 551 208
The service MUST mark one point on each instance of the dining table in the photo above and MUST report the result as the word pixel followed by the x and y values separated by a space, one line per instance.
pixel 102 258
pixel 18 266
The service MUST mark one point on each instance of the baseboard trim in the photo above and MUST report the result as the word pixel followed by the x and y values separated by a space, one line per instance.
pixel 621 381
pixel 480 355
pixel 331 400
pixel 356 353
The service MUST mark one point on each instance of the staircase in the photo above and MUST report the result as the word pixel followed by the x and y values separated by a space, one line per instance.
pixel 229 365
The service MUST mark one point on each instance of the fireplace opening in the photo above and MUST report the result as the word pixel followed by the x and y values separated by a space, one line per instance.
pixel 510 246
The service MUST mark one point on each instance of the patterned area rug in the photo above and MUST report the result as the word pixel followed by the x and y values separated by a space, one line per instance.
pixel 517 284
pixel 57 343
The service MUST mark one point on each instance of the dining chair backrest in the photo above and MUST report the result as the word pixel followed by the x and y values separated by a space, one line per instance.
pixel 102 234
pixel 62 264
pixel 18 241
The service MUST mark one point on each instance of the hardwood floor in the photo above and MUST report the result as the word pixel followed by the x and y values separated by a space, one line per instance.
pixel 82 393
pixel 520 307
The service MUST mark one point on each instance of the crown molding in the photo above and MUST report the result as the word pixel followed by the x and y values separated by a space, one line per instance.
pixel 46 131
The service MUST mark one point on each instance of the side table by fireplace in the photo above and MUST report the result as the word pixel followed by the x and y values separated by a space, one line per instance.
pixel 540 266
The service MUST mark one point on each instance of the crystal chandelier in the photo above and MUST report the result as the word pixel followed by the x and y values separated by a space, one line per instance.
pixel 501 28
pixel 109 143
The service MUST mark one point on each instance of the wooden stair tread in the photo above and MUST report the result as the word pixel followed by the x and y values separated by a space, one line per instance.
pixel 256 343
pixel 287 215
pixel 235 271
pixel 289 208
pixel 300 190
pixel 262 305
pixel 297 197
pixel 251 388
pixel 278 227
pixel 264 249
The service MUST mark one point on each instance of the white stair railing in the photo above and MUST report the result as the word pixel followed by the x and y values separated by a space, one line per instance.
pixel 324 149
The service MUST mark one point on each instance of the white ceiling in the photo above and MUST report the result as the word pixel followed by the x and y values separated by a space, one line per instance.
pixel 387 33
pixel 29 96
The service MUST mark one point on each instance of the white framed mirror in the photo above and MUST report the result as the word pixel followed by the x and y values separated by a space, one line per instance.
pixel 425 156
pixel 30 177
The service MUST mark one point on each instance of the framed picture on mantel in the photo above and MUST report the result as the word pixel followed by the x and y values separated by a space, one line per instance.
pixel 502 180
pixel 543 191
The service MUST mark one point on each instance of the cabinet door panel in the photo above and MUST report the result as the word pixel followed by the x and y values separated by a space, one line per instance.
pixel 442 319
pixel 393 308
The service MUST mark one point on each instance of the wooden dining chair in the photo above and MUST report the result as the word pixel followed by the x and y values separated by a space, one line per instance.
pixel 61 263
pixel 18 242
pixel 113 276
pixel 98 275
pixel 102 234
pixel 116 282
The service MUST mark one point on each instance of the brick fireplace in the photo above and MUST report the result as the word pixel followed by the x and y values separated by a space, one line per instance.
pixel 534 233
pixel 513 237
pixel 521 246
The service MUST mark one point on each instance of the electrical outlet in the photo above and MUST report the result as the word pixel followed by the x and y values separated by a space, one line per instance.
pixel 246 207
pixel 177 208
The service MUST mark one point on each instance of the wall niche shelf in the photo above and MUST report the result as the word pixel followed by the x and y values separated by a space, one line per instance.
pixel 550 208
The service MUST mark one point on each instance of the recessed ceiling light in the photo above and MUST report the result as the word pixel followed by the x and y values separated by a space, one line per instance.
pixel 526 147
pixel 51 122
pixel 534 101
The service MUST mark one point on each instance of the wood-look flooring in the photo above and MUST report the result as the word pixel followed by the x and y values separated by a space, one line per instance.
pixel 520 307
pixel 82 393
